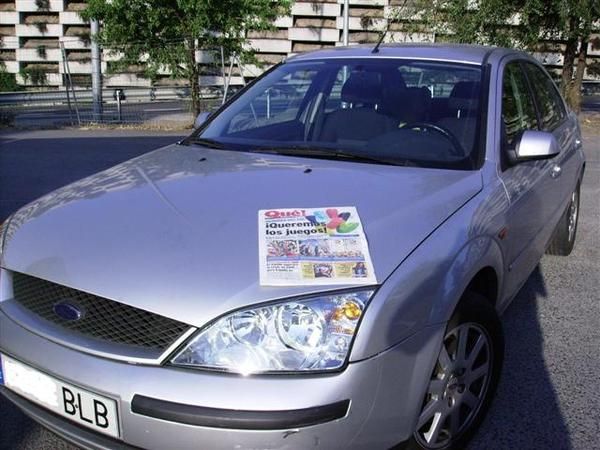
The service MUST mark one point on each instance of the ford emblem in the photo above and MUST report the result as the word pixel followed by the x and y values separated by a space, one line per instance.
pixel 68 311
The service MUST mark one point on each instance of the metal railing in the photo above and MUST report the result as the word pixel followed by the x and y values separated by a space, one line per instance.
pixel 156 106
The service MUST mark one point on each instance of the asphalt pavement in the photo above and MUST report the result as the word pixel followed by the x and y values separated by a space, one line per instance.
pixel 548 393
pixel 33 163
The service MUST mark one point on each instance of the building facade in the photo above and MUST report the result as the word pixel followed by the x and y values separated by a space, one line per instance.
pixel 42 40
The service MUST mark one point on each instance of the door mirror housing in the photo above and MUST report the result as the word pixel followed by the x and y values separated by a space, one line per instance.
pixel 201 118
pixel 534 145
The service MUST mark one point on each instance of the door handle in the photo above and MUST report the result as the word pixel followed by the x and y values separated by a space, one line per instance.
pixel 556 171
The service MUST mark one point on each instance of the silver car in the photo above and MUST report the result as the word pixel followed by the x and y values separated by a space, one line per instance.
pixel 138 307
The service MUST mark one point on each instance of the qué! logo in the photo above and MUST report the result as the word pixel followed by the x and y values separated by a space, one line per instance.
pixel 275 214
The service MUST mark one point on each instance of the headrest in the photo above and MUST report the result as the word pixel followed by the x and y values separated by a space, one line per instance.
pixel 419 94
pixel 392 80
pixel 362 87
pixel 465 95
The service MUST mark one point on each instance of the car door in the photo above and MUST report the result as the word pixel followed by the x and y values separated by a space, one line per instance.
pixel 530 185
pixel 555 119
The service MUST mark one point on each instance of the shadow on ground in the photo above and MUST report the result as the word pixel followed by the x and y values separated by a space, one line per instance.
pixel 30 168
pixel 525 413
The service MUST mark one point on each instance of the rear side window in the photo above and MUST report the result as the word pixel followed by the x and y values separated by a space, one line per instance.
pixel 518 110
pixel 550 105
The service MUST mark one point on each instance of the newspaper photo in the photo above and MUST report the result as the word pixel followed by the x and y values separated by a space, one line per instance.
pixel 313 246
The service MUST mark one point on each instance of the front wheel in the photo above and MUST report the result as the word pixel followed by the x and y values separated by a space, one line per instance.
pixel 464 379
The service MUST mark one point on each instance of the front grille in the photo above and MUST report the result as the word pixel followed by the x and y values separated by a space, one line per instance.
pixel 102 318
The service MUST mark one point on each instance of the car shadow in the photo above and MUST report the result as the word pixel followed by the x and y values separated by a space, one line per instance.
pixel 19 432
pixel 525 413
pixel 30 168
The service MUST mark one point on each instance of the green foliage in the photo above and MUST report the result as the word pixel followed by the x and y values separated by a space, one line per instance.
pixel 42 27
pixel 506 23
pixel 8 83
pixel 164 34
pixel 41 51
pixel 34 74
pixel 522 24
pixel 42 5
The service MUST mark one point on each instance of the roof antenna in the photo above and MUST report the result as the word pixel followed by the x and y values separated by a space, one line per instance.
pixel 383 33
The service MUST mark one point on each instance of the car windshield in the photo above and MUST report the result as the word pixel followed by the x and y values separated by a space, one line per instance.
pixel 392 111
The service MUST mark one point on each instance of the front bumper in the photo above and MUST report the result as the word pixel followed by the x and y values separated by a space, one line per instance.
pixel 381 397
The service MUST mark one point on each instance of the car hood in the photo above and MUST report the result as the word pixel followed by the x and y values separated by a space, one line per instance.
pixel 175 231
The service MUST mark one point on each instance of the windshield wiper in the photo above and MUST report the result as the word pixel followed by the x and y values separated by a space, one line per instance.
pixel 206 142
pixel 326 153
pixel 311 152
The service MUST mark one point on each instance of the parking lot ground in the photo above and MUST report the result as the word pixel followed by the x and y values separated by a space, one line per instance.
pixel 33 163
pixel 548 394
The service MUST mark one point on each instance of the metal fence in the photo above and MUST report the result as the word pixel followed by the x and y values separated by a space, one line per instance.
pixel 168 104
pixel 153 106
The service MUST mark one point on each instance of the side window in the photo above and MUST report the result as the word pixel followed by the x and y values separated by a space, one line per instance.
pixel 552 110
pixel 518 110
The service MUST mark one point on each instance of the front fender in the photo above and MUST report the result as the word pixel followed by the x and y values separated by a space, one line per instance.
pixel 478 253
pixel 426 287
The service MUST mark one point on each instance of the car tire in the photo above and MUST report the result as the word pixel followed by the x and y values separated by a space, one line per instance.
pixel 463 390
pixel 563 240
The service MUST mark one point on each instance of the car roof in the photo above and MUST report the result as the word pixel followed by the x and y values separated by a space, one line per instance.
pixel 471 54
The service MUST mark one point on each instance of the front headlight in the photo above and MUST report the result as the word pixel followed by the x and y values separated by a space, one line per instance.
pixel 308 334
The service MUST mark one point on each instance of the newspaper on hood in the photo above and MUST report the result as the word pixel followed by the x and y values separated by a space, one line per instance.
pixel 313 246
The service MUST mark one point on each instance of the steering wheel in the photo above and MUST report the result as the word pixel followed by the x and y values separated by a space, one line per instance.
pixel 457 149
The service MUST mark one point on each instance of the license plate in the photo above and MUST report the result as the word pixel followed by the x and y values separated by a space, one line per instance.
pixel 86 408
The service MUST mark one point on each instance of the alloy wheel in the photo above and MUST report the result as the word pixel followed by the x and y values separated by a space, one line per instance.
pixel 457 388
pixel 573 212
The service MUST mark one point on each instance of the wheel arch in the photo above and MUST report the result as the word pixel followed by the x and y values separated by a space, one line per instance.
pixel 485 283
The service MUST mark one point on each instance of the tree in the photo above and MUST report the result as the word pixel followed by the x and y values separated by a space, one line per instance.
pixel 524 24
pixel 8 83
pixel 165 34
pixel 35 73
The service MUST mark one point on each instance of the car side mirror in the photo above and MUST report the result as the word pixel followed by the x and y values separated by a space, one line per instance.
pixel 534 145
pixel 201 118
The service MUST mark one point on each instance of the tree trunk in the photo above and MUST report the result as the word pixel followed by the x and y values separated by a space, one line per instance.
pixel 194 78
pixel 569 55
pixel 575 89
pixel 195 91
pixel 568 68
